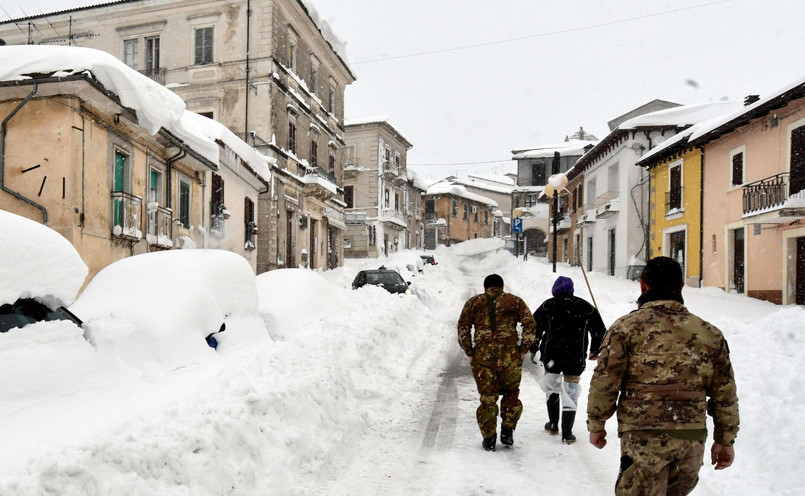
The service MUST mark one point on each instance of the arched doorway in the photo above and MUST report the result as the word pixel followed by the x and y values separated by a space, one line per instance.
pixel 536 242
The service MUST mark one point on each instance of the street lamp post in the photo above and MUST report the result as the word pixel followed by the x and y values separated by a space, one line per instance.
pixel 556 183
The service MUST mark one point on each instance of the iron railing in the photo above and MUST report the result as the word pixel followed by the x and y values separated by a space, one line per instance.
pixel 156 74
pixel 766 194
pixel 321 173
pixel 126 215
pixel 159 227
pixel 673 199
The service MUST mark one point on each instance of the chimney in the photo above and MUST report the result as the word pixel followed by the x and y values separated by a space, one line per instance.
pixel 750 99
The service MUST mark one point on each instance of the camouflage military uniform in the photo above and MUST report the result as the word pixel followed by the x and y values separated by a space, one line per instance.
pixel 658 366
pixel 496 357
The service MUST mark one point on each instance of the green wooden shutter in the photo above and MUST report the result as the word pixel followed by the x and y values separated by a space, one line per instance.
pixel 184 203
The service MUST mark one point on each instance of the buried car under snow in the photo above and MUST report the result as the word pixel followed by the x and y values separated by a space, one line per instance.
pixel 160 307
pixel 41 271
pixel 390 280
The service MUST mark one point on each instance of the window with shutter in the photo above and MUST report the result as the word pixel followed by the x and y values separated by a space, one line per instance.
pixel 738 169
pixel 203 46
pixel 184 202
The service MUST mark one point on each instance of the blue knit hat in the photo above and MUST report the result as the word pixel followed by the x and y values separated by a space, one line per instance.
pixel 562 285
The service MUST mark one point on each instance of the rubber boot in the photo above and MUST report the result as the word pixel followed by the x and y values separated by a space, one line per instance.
pixel 568 418
pixel 507 436
pixel 489 443
pixel 552 426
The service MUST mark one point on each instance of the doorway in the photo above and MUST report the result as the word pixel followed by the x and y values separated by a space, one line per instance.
pixel 738 266
pixel 797 180
pixel 611 262
pixel 676 248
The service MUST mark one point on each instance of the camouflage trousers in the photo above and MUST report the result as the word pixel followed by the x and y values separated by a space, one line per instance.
pixel 494 380
pixel 658 465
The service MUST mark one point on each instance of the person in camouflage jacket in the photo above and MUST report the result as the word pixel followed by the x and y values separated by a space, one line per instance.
pixel 496 355
pixel 663 369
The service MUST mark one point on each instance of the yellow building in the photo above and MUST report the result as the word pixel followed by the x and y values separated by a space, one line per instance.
pixel 675 175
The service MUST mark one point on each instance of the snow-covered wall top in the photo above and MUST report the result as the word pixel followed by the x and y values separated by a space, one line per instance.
pixel 565 148
pixel 339 46
pixel 681 116
pixel 37 262
pixel 445 188
pixel 715 123
pixel 156 106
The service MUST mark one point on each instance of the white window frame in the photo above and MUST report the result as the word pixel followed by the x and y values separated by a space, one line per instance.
pixel 293 49
pixel 132 59
pixel 733 152
pixel 679 163
pixel 314 74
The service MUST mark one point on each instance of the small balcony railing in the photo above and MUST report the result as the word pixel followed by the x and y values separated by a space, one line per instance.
pixel 322 173
pixel 389 214
pixel 605 198
pixel 156 74
pixel 126 216
pixel 766 194
pixel 159 226
pixel 673 200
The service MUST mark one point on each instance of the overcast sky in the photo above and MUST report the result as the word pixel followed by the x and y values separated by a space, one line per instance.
pixel 467 81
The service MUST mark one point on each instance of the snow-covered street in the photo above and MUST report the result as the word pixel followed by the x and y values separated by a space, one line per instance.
pixel 358 392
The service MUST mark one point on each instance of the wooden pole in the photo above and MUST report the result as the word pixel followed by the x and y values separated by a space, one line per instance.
pixel 588 286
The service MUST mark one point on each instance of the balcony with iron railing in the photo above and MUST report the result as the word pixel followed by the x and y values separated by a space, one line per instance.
pixel 320 183
pixel 159 229
pixel 126 216
pixel 157 74
pixel 770 200
pixel 673 201
pixel 766 194
pixel 391 215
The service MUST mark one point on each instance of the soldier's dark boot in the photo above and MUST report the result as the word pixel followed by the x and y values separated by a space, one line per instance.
pixel 489 443
pixel 552 425
pixel 568 418
pixel 507 436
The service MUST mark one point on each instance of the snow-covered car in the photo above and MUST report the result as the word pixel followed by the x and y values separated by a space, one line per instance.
pixel 163 307
pixel 428 259
pixel 405 260
pixel 41 272
pixel 388 279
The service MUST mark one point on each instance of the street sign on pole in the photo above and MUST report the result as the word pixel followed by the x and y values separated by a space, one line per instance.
pixel 517 225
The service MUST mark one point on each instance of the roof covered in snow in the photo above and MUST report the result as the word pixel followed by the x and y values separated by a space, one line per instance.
pixel 446 188
pixel 566 148
pixel 156 107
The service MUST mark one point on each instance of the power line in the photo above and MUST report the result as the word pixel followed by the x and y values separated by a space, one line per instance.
pixel 465 163
pixel 539 35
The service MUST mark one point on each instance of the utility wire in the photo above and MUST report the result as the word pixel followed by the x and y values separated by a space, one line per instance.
pixel 539 35
pixel 465 163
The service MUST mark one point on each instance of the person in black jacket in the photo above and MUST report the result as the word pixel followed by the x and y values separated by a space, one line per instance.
pixel 564 323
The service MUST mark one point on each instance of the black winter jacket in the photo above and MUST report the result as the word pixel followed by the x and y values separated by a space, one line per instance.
pixel 563 325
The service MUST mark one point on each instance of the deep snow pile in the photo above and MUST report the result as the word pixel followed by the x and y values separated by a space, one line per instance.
pixel 341 368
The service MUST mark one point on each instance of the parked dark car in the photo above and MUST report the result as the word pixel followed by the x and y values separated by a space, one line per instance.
pixel 428 259
pixel 27 311
pixel 390 280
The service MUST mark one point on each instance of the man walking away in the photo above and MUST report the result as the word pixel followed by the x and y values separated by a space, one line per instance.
pixel 566 324
pixel 496 356
pixel 663 369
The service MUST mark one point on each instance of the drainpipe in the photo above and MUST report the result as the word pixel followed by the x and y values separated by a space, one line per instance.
pixel 3 132
pixel 169 165
pixel 701 218
pixel 248 79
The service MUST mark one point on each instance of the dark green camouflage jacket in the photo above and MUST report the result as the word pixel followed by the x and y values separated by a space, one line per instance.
pixel 664 368
pixel 509 310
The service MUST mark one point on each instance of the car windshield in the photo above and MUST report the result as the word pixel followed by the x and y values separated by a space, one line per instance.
pixel 383 278
pixel 27 311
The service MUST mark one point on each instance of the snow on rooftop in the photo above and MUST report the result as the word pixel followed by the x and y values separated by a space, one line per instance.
pixel 446 188
pixel 214 130
pixel 720 121
pixel 338 45
pixel 684 115
pixel 565 148
pixel 38 262
pixel 156 106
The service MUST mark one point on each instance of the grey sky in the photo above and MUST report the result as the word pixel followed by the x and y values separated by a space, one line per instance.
pixel 467 81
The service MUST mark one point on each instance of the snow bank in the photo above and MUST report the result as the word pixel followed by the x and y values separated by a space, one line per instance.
pixel 37 262
pixel 160 306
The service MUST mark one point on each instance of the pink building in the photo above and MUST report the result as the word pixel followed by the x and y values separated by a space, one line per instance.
pixel 753 234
